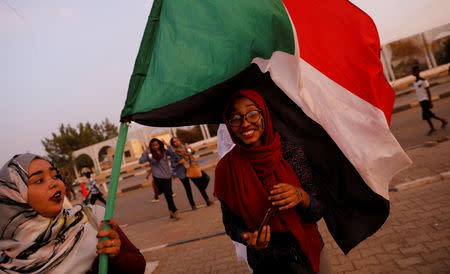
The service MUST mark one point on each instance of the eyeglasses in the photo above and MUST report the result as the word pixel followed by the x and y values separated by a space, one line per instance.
pixel 251 117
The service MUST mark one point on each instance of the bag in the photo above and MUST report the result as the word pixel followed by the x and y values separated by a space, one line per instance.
pixel 194 171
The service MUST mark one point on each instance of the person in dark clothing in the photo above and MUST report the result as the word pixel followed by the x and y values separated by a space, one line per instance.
pixel 180 159
pixel 157 156
pixel 263 172
pixel 93 190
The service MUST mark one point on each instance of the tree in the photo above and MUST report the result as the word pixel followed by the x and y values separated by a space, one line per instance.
pixel 404 48
pixel 405 55
pixel 68 139
pixel 443 54
pixel 83 161
pixel 191 135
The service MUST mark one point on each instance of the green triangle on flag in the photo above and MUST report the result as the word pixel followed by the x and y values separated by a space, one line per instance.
pixel 187 48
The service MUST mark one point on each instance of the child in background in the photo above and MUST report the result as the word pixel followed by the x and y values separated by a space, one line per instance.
pixel 93 190
pixel 424 97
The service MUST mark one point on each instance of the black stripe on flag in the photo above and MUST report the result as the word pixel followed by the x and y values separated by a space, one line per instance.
pixel 352 211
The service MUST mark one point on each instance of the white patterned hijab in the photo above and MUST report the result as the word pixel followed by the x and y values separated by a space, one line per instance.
pixel 29 242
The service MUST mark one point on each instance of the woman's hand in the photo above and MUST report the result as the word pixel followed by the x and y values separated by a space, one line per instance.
pixel 252 238
pixel 286 196
pixel 111 246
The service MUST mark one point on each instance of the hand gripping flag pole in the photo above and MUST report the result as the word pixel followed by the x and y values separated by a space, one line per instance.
pixel 112 190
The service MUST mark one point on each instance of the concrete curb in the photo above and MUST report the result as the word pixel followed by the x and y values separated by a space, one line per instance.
pixel 415 104
pixel 183 241
pixel 424 181
pixel 445 175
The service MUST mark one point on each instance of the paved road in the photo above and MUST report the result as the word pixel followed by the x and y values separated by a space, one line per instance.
pixel 414 239
pixel 138 202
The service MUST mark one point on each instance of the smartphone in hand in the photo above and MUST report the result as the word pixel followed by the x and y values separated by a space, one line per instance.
pixel 267 218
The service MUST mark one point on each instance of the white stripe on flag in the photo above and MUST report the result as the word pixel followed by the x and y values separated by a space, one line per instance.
pixel 358 128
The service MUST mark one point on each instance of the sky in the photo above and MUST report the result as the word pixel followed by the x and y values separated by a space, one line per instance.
pixel 71 61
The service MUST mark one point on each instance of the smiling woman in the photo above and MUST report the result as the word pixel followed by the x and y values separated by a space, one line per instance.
pixel 263 173
pixel 37 235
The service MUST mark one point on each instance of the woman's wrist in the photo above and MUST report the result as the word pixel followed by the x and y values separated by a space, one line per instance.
pixel 240 233
pixel 303 196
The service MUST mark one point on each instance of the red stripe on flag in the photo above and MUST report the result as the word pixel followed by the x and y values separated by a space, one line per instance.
pixel 341 41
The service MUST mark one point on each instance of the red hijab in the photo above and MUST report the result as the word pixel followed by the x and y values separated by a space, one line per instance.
pixel 245 176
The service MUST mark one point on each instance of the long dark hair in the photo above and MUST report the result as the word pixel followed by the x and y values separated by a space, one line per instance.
pixel 161 149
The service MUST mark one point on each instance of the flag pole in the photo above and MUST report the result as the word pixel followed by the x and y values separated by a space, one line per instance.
pixel 110 202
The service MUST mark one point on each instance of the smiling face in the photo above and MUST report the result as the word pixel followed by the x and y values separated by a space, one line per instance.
pixel 248 133
pixel 45 190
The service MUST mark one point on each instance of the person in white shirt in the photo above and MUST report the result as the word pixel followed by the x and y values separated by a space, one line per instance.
pixel 93 189
pixel 423 96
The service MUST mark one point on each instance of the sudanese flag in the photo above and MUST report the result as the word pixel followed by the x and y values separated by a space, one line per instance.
pixel 317 65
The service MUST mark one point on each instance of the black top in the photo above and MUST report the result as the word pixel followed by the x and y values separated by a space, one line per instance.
pixel 282 246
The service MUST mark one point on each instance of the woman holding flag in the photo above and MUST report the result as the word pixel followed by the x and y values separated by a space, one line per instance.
pixel 40 236
pixel 262 172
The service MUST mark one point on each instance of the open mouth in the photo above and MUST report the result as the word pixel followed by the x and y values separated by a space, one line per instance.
pixel 57 197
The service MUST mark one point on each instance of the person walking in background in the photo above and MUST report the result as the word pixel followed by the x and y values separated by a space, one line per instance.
pixel 424 97
pixel 181 158
pixel 157 157
pixel 177 161
pixel 93 190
